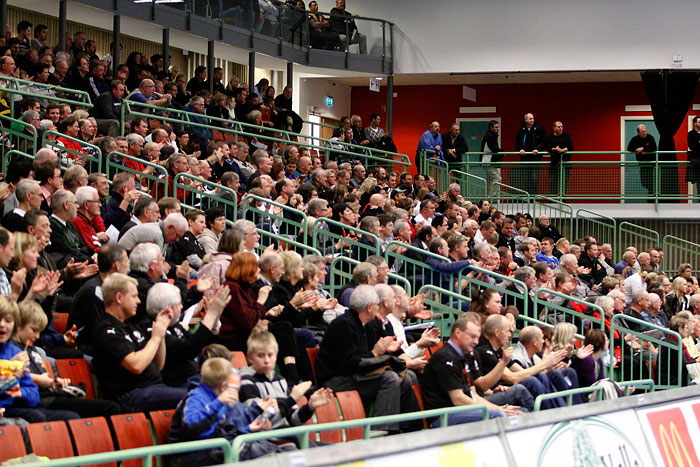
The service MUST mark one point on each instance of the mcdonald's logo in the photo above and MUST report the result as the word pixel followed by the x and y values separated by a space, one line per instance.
pixel 672 438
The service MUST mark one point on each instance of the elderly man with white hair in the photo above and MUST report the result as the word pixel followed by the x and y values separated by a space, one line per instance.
pixel 88 209
pixel 66 242
pixel 28 194
pixel 653 313
pixel 182 345
pixel 169 231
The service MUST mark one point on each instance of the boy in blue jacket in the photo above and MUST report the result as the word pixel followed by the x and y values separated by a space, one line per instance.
pixel 212 410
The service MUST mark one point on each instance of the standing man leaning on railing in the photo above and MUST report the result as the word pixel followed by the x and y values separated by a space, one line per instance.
pixel 693 173
pixel 431 140
pixel 529 141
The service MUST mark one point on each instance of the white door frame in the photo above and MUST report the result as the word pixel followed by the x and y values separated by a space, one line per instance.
pixel 623 145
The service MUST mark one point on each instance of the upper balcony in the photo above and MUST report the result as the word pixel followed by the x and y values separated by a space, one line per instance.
pixel 284 32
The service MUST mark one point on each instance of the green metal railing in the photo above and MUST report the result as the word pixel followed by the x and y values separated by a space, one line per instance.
pixel 637 351
pixel 268 238
pixel 602 228
pixel 146 454
pixel 446 306
pixel 437 170
pixel 331 243
pixel 400 162
pixel 17 135
pixel 155 184
pixel 10 154
pixel 678 251
pixel 560 213
pixel 203 194
pixel 511 200
pixel 68 157
pixel 618 176
pixel 633 235
pixel 15 90
pixel 492 280
pixel 418 273
pixel 647 384
pixel 472 188
pixel 557 313
pixel 366 423
pixel 283 220
pixel 341 274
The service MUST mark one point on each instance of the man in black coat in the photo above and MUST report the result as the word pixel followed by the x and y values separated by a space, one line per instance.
pixel 454 145
pixel 558 145
pixel 107 109
pixel 644 147
pixel 529 141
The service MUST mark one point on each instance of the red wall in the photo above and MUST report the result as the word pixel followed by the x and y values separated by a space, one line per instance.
pixel 590 111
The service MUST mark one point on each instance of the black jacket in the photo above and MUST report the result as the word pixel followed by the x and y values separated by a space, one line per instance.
pixel 460 146
pixel 490 142
pixel 530 139
pixel 106 107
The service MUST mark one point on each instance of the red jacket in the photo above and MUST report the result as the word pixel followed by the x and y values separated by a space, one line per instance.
pixel 86 230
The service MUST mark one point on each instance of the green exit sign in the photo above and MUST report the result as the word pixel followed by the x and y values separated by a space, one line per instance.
pixel 329 101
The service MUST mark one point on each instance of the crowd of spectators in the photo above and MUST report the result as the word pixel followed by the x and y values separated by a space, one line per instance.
pixel 119 258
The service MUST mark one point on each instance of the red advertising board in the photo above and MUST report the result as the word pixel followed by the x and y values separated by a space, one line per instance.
pixel 672 437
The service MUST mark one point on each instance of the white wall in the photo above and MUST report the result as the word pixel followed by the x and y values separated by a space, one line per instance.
pixel 506 36
pixel 313 92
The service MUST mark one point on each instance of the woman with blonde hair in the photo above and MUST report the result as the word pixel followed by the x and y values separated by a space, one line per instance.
pixel 564 338
pixel 678 299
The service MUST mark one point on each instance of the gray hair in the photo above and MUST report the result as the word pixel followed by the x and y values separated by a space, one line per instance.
pixel 628 256
pixel 654 297
pixel 239 229
pixel 369 222
pixel 523 273
pixel 399 225
pixel 267 261
pixel 85 193
pixel 617 293
pixel 142 256
pixel 177 220
pixel 196 100
pixel 605 302
pixel 452 186
pixel 317 173
pixel 638 295
pixel 695 298
pixel 479 249
pixel 384 292
pixel 29 115
pixel 399 214
pixel 362 297
pixel 161 296
pixel 24 187
pixel 314 205
pixel 45 124
pixel 133 138
pixel 363 272
pixel 567 259
pixel 44 154
pixel 59 197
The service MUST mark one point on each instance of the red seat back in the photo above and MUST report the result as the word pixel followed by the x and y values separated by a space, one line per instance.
pixel 50 439
pixel 161 423
pixel 78 370
pixel 326 414
pixel 92 436
pixel 352 408
pixel 238 359
pixel 132 431
pixel 312 352
pixel 12 443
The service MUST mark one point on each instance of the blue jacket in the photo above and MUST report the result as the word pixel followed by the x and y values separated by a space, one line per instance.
pixel 442 273
pixel 204 416
pixel 30 391
pixel 429 141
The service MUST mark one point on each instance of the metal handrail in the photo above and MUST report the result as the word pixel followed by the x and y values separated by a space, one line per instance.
pixel 146 453
pixel 304 430
pixel 569 393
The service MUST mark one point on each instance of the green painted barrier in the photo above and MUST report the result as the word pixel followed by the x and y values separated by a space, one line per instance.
pixel 154 183
pixel 247 130
pixel 283 220
pixel 557 313
pixel 14 87
pixel 355 243
pixel 417 273
pixel 472 188
pixel 641 354
pixel 341 273
pixel 17 135
pixel 210 196
pixel 560 214
pixel 146 454
pixel 511 200
pixel 647 384
pixel 678 251
pixel 438 171
pixel 602 228
pixel 630 234
pixel 446 306
pixel 268 238
pixel 304 430
pixel 92 163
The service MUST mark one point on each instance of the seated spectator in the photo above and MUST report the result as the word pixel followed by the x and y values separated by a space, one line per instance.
pixel 126 363
pixel 668 373
pixel 679 298
pixel 589 366
pixel 66 242
pixel 87 308
pixel 531 342
pixel 345 359
pixel 220 260
pixel 260 381
pixel 363 273
pixel 202 133
pixel 216 224
pixel 546 254
pixel 29 196
pixel 654 314
pixel 213 410
pixel 145 94
pixel 170 231
pixel 188 248
pixel 447 381
pixel 107 109
pixel 183 345
pixel 48 174
pixel 88 201
pixel 54 402
pixel 145 210
pixel 22 405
